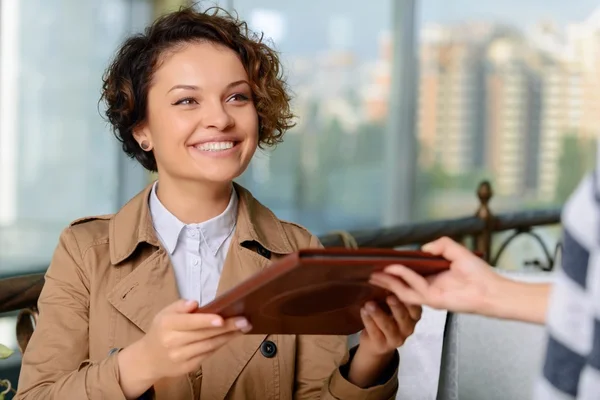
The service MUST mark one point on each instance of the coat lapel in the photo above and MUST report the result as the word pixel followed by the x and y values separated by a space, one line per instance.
pixel 146 288
pixel 149 288
pixel 220 371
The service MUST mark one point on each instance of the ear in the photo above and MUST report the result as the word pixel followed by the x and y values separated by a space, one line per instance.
pixel 141 133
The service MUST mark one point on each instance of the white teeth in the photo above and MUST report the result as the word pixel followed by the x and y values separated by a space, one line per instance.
pixel 215 146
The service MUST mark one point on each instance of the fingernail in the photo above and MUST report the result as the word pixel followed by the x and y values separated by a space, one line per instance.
pixel 395 266
pixel 217 322
pixel 247 328
pixel 426 248
pixel 189 303
pixel 370 307
pixel 392 301
pixel 241 323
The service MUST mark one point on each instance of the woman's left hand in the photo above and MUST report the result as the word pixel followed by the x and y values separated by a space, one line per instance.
pixel 383 332
pixel 381 337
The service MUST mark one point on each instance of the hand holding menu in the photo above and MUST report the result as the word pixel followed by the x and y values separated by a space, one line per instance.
pixel 316 291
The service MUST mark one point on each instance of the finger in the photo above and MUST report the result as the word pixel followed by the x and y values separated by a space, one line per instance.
pixel 181 306
pixel 410 277
pixel 178 311
pixel 174 339
pixel 231 325
pixel 404 322
pixel 385 322
pixel 399 310
pixel 447 248
pixel 197 321
pixel 373 332
pixel 404 293
pixel 202 347
pixel 415 312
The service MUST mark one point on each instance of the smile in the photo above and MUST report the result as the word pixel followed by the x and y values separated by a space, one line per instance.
pixel 215 146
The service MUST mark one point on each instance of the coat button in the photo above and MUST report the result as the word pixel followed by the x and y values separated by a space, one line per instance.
pixel 268 349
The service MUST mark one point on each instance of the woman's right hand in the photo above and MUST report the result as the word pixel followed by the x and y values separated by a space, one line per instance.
pixel 177 342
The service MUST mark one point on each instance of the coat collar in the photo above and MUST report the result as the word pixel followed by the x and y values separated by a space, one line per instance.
pixel 132 225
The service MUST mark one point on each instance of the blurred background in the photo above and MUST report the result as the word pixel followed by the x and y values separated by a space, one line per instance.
pixel 403 108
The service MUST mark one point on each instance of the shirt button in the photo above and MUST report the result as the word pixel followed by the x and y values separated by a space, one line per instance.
pixel 195 261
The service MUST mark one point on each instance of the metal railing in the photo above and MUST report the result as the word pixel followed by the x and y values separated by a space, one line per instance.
pixel 477 232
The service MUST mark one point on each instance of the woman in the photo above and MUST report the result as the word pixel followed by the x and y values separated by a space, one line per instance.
pixel 191 98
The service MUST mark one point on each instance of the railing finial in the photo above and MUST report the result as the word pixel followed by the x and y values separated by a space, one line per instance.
pixel 485 193
pixel 483 241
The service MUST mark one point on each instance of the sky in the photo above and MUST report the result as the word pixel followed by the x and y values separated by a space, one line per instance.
pixel 519 12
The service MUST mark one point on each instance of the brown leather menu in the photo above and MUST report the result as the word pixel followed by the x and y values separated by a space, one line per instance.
pixel 316 291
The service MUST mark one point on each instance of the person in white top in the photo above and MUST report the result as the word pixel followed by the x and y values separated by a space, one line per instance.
pixel 570 307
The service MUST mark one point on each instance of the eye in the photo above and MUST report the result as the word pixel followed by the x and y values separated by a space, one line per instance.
pixel 185 101
pixel 238 97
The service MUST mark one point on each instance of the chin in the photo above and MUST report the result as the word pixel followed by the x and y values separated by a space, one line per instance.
pixel 220 176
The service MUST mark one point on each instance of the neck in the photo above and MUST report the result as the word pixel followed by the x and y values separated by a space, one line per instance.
pixel 193 202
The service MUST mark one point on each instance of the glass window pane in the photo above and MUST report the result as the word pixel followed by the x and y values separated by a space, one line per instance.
pixel 336 54
pixel 508 91
pixel 58 159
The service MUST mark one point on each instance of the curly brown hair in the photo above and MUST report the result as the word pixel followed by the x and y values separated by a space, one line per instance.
pixel 127 79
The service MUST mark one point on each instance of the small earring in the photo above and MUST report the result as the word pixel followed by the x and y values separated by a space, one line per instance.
pixel 145 145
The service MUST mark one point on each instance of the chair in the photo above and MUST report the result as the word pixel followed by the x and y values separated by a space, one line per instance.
pixel 491 359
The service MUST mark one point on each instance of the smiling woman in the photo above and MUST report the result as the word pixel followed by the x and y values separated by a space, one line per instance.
pixel 247 73
pixel 220 102
pixel 192 98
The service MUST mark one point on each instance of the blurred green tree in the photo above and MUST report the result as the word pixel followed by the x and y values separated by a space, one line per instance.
pixel 576 159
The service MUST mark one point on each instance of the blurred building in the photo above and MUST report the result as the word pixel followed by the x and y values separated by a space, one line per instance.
pixel 494 99
pixel 571 94
pixel 376 91
pixel 451 98
pixel 512 116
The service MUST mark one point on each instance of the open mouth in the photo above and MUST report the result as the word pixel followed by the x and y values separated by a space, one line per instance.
pixel 216 146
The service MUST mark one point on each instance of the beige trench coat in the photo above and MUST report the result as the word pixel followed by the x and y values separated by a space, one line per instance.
pixel 108 278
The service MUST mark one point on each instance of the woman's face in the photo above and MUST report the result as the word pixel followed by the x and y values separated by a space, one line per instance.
pixel 201 121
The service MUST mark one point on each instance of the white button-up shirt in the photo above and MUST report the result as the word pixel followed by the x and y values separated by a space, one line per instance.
pixel 197 251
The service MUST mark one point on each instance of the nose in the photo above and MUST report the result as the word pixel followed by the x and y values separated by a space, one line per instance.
pixel 216 116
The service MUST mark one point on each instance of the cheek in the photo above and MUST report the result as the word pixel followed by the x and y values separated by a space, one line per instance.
pixel 254 126
pixel 254 136
pixel 171 130
pixel 246 121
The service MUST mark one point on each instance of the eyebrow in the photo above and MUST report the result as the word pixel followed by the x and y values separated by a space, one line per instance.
pixel 193 87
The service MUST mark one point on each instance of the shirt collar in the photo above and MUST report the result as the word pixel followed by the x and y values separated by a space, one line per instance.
pixel 133 225
pixel 215 231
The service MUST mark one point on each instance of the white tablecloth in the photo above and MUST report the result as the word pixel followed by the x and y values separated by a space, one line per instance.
pixel 421 356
